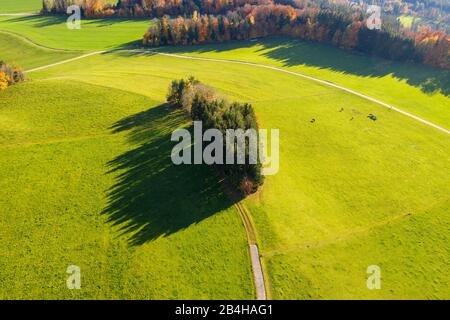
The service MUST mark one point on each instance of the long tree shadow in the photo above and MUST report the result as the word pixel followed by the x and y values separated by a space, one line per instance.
pixel 153 197
pixel 292 52
pixel 39 21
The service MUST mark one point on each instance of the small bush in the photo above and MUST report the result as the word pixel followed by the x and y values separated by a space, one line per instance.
pixel 12 74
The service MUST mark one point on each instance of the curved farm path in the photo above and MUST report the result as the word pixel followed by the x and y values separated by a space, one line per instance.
pixel 259 279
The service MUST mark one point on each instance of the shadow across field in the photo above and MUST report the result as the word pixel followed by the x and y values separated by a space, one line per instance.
pixel 151 196
pixel 291 52
pixel 40 21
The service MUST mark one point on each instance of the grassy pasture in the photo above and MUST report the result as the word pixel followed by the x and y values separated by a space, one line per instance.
pixel 350 192
pixel 86 179
pixel 357 188
pixel 407 21
pixel 420 90
pixel 20 6
pixel 406 249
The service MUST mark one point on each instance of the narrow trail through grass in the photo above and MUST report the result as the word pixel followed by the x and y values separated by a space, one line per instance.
pixel 362 178
pixel 341 237
pixel 327 83
pixel 72 176
pixel 259 279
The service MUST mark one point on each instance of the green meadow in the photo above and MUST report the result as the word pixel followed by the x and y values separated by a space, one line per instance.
pixel 20 6
pixel 15 50
pixel 86 175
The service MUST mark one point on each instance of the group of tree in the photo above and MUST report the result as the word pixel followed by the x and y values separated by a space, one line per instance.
pixel 342 23
pixel 345 28
pixel 436 12
pixel 204 104
pixel 9 75
pixel 433 13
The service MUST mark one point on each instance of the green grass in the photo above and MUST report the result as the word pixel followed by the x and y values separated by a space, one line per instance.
pixel 407 21
pixel 344 183
pixel 15 50
pixel 20 6
pixel 404 249
pixel 350 192
pixel 96 34
pixel 73 192
pixel 417 89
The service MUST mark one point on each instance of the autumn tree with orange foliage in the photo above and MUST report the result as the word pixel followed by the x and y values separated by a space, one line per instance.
pixel 10 74
pixel 434 47
pixel 345 29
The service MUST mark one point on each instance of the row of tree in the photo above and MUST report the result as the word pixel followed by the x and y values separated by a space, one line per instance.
pixel 9 75
pixel 346 29
pixel 88 8
pixel 203 104
pixel 143 8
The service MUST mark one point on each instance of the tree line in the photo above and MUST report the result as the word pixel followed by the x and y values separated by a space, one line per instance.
pixel 143 8
pixel 345 28
pixel 204 104
pixel 9 75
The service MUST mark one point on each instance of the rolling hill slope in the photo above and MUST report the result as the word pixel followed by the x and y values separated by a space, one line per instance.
pixel 348 177
pixel 350 192
pixel 85 180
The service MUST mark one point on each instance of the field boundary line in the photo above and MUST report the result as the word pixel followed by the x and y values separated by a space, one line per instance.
pixel 53 141
pixel 297 74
